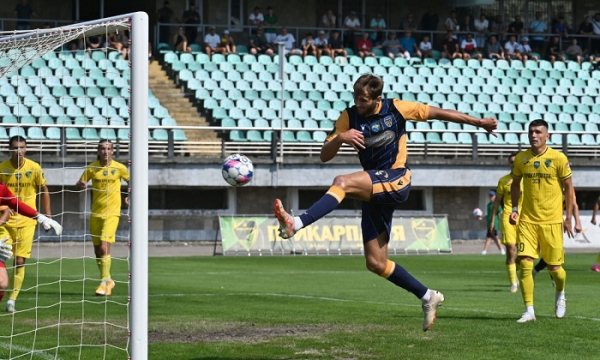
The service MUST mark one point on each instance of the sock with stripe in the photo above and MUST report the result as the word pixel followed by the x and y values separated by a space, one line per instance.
pixel 322 207
pixel 400 277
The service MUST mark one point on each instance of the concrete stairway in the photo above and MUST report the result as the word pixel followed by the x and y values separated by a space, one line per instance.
pixel 180 108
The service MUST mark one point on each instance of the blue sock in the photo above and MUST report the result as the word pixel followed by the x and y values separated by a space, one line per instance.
pixel 323 206
pixel 402 278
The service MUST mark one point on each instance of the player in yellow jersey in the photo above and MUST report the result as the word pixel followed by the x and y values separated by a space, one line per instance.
pixel 5 249
pixel 596 265
pixel 509 232
pixel 106 175
pixel 24 178
pixel 544 172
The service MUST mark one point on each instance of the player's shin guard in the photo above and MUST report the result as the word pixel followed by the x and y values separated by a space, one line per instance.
pixel 324 205
pixel 559 276
pixel 18 277
pixel 526 282
pixel 104 266
pixel 512 273
pixel 400 277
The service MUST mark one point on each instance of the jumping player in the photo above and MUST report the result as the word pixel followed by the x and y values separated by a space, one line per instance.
pixel 509 232
pixel 106 175
pixel 545 172
pixel 376 129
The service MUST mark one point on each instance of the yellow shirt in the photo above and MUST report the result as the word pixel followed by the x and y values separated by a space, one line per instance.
pixel 503 190
pixel 106 187
pixel 24 183
pixel 542 185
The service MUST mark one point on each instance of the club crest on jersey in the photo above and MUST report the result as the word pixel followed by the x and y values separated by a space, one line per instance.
pixel 548 162
pixel 28 174
pixel 105 173
pixel 18 176
pixel 376 127
pixel 113 171
pixel 388 120
pixel 536 164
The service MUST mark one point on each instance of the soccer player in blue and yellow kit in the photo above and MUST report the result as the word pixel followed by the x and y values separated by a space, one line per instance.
pixel 544 172
pixel 376 129
pixel 106 175
pixel 24 178
pixel 509 231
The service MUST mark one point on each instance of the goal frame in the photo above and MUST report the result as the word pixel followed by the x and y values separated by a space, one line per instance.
pixel 138 186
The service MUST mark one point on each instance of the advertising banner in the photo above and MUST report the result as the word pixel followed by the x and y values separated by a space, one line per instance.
pixel 331 236
pixel 589 237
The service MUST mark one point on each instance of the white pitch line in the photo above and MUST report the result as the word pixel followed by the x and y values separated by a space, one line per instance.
pixel 37 353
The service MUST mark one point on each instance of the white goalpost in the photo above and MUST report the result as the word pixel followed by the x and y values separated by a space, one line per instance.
pixel 63 102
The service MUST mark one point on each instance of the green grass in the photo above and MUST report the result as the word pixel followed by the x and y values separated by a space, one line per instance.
pixel 322 308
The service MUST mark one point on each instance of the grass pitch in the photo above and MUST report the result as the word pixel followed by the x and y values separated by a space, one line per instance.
pixel 301 307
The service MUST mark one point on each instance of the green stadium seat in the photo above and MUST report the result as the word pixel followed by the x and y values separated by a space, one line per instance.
pixel 288 136
pixel 588 139
pixel 160 135
pixel 304 136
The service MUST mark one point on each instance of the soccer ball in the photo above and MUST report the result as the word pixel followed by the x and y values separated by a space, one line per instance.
pixel 477 212
pixel 237 170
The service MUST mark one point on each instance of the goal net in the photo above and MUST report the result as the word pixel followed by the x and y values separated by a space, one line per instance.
pixel 64 90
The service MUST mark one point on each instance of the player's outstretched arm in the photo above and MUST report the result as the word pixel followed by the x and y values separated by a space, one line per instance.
pixel 45 195
pixel 351 137
pixel 7 198
pixel 489 123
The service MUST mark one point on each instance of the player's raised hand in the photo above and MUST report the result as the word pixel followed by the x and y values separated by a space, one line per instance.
pixel 48 224
pixel 568 227
pixel 489 124
pixel 513 218
pixel 353 138
pixel 5 250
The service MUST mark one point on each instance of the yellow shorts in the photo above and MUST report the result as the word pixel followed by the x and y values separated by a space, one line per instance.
pixel 21 239
pixel 509 233
pixel 103 229
pixel 545 239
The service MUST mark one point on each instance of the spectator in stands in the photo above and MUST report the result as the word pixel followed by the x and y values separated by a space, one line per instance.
pixel 191 18
pixel 511 49
pixel 93 43
pixel 290 42
pixel 336 45
pixel 308 46
pixel 451 23
pixel 322 45
pixel 228 42
pixel 586 28
pixel 258 43
pixel 481 28
pixel 180 41
pixel 426 48
pixel 365 46
pixel 392 47
pixel 516 27
pixel 212 43
pixel 498 27
pixel 494 49
pixel 164 15
pixel 409 23
pixel 329 21
pixel 24 12
pixel 378 27
pixel 468 48
pixel 576 53
pixel 430 20
pixel 451 49
pixel 466 25
pixel 351 24
pixel 526 51
pixel 270 20
pixel 409 44
pixel 561 28
pixel 554 51
pixel 537 26
pixel 256 19
pixel 120 42
pixel 595 47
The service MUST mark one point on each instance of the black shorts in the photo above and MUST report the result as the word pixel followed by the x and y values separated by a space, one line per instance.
pixel 491 234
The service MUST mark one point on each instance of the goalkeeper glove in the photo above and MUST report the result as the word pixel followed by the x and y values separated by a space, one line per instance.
pixel 48 224
pixel 5 250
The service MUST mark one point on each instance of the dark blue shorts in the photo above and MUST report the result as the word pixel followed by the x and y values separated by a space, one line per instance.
pixel 390 188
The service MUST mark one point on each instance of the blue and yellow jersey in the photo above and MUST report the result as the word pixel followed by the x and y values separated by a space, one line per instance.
pixel 384 132
pixel 106 187
pixel 24 183
pixel 503 189
pixel 542 176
